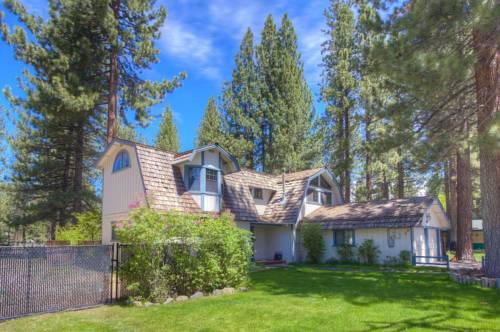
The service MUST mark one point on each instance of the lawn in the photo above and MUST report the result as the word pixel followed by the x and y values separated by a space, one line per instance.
pixel 302 298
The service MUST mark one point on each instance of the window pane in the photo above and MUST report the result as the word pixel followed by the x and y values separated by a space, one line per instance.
pixel 349 237
pixel 257 193
pixel 315 182
pixel 325 184
pixel 326 198
pixel 340 237
pixel 312 196
pixel 194 178
pixel 121 161
pixel 211 181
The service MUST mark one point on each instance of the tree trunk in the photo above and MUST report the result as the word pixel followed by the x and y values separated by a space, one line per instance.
pixel 487 69
pixel 368 157
pixel 113 82
pixel 453 201
pixel 464 204
pixel 385 186
pixel 347 152
pixel 401 175
pixel 78 175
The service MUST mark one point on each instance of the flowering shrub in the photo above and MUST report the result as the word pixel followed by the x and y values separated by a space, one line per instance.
pixel 178 254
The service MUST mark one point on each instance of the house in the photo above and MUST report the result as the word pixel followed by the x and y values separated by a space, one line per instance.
pixel 477 234
pixel 209 180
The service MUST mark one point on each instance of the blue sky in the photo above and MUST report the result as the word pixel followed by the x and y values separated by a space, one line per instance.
pixel 201 38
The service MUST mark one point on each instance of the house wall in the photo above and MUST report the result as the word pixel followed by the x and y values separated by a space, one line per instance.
pixel 119 190
pixel 272 239
pixel 379 237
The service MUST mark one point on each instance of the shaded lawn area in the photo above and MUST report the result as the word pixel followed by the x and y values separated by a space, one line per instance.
pixel 302 298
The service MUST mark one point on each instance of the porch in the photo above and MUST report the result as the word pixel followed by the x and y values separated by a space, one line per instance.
pixel 273 244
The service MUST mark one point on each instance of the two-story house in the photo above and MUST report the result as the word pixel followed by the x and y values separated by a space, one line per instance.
pixel 209 180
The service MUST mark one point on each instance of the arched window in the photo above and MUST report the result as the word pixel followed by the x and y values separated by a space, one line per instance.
pixel 121 161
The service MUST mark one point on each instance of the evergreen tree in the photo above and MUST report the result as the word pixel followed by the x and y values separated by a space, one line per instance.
pixel 240 108
pixel 286 115
pixel 167 138
pixel 210 130
pixel 130 30
pixel 443 56
pixel 58 132
pixel 339 91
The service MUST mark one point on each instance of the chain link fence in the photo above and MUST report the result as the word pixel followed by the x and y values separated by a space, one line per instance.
pixel 54 278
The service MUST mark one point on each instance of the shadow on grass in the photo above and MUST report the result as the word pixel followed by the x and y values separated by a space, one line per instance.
pixel 435 295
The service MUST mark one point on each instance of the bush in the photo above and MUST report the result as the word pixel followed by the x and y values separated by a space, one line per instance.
pixel 405 256
pixel 87 228
pixel 178 254
pixel 312 238
pixel 368 252
pixel 345 252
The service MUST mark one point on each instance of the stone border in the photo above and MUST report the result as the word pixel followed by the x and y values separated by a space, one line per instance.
pixel 471 279
pixel 184 298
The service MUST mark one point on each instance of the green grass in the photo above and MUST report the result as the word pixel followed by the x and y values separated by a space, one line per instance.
pixel 302 298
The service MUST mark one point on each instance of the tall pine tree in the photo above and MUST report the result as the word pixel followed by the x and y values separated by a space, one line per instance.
pixel 210 130
pixel 339 91
pixel 167 138
pixel 286 114
pixel 239 106
pixel 130 31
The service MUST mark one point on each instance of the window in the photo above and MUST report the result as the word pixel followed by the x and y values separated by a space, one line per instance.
pixel 257 193
pixel 326 198
pixel 211 181
pixel 315 182
pixel 121 161
pixel 341 237
pixel 392 235
pixel 194 178
pixel 325 184
pixel 312 196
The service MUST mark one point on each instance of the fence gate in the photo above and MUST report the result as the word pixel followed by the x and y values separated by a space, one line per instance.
pixel 48 279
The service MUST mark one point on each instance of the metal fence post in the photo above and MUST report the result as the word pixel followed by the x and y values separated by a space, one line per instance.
pixel 447 262
pixel 414 260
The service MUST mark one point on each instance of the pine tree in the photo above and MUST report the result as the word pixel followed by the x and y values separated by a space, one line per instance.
pixel 210 130
pixel 339 91
pixel 286 115
pixel 240 106
pixel 58 132
pixel 167 138
pixel 130 30
pixel 435 50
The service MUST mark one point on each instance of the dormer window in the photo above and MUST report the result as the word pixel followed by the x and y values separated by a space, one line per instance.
pixel 122 161
pixel 257 193
pixel 319 192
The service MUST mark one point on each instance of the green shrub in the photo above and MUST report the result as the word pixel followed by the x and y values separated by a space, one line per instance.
pixel 178 254
pixel 87 228
pixel 368 252
pixel 345 252
pixel 312 238
pixel 405 256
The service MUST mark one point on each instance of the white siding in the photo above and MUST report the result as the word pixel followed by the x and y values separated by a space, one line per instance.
pixel 379 237
pixel 119 190
pixel 272 239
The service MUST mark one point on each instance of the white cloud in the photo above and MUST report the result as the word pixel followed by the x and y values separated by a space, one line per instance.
pixel 180 42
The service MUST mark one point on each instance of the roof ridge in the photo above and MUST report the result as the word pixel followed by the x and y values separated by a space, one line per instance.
pixel 146 145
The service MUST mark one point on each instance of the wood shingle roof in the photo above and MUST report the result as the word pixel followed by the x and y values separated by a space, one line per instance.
pixel 404 212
